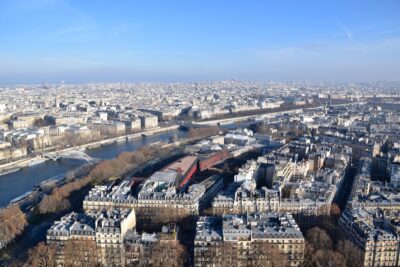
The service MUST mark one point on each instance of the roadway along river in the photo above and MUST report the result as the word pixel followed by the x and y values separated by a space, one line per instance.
pixel 15 184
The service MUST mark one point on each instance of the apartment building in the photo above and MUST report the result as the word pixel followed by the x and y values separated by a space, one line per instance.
pixel 256 238
pixel 105 230
pixel 374 233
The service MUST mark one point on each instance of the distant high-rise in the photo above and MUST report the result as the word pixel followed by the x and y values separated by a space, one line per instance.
pixel 57 102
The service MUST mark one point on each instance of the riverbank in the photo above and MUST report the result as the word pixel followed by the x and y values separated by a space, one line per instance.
pixel 4 168
pixel 17 183
pixel 267 113
pixel 39 223
pixel 17 165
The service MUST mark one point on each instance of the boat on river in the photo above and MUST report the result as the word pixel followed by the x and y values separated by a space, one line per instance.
pixel 21 197
pixel 36 162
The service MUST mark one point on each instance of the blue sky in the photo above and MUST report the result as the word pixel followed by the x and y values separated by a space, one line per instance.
pixel 95 40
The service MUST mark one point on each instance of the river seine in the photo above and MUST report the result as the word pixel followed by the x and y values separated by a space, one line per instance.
pixel 15 184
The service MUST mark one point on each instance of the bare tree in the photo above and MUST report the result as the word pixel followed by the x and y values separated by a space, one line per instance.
pixel 196 133
pixel 42 256
pixel 335 211
pixel 267 254
pixel 352 254
pixel 328 258
pixel 80 253
pixel 123 164
pixel 12 222
pixel 168 253
pixel 319 250
pixel 319 238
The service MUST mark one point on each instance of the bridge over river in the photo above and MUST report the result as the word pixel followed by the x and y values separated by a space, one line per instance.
pixel 70 154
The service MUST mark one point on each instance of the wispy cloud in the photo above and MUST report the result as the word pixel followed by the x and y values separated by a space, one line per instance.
pixel 349 35
pixel 381 46
pixel 387 31
pixel 340 60
pixel 346 32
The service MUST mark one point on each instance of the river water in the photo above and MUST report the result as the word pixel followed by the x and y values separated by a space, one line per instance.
pixel 15 184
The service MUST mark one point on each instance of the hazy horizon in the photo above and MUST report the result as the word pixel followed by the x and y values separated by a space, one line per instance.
pixel 314 41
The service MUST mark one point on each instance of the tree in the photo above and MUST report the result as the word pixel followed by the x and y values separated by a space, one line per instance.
pixel 262 128
pixel 352 254
pixel 308 254
pixel 328 258
pixel 12 223
pixel 319 238
pixel 197 133
pixel 267 254
pixel 335 211
pixel 230 255
pixel 168 253
pixel 319 250
pixel 42 256
pixel 123 164
pixel 125 157
pixel 80 253
pixel 54 202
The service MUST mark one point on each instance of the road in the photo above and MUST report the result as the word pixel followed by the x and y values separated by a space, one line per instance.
pixel 346 188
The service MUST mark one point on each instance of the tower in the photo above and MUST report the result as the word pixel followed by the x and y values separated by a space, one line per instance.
pixel 57 102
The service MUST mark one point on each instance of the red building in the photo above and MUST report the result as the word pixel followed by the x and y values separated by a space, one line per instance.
pixel 186 167
pixel 209 160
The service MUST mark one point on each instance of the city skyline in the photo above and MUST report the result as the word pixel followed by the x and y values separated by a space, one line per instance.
pixel 199 133
pixel 55 40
